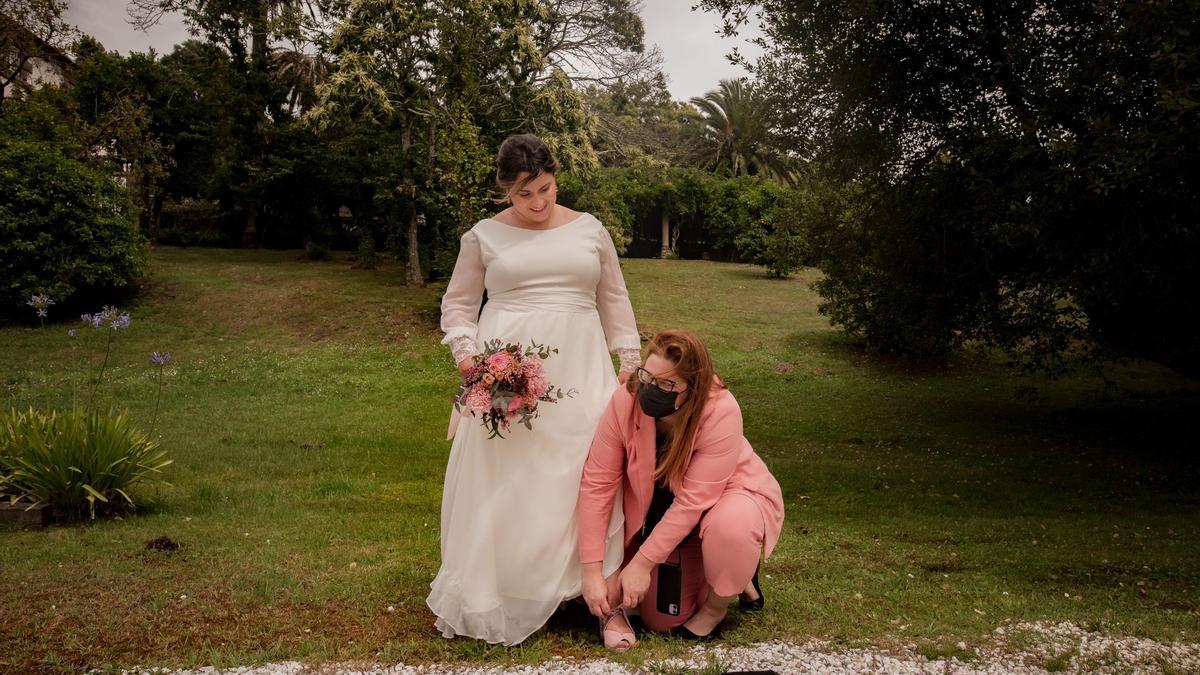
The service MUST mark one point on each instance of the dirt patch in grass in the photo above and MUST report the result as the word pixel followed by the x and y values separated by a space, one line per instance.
pixel 79 626
pixel 75 627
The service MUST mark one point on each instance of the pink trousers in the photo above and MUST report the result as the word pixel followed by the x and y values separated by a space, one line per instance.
pixel 723 556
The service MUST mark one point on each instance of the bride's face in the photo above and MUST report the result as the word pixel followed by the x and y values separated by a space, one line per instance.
pixel 534 201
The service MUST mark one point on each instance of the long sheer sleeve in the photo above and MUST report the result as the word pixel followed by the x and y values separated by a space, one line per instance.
pixel 616 312
pixel 464 295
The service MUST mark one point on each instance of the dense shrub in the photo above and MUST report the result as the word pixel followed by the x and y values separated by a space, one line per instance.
pixel 191 222
pixel 778 241
pixel 65 228
pixel 745 219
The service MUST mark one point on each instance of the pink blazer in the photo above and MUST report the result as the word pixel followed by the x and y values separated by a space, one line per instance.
pixel 622 454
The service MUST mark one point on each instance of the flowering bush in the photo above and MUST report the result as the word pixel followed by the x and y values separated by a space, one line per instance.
pixel 80 462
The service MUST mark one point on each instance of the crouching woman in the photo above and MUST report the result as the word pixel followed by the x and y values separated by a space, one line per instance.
pixel 700 506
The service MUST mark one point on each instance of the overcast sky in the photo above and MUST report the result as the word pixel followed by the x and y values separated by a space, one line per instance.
pixel 693 52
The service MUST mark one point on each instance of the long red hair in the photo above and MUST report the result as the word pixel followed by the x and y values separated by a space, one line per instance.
pixel 694 365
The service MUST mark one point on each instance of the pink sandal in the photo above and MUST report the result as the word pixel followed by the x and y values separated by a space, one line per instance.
pixel 617 640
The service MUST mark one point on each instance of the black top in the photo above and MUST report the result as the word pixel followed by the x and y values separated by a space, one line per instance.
pixel 663 497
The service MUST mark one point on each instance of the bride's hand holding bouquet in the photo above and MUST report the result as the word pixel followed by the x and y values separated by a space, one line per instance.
pixel 506 382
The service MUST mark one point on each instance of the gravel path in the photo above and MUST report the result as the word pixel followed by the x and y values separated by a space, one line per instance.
pixel 1043 648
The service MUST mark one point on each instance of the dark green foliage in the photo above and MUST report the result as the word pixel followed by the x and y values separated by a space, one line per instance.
pixel 197 113
pixel 367 258
pixel 782 247
pixel 638 120
pixel 121 103
pixel 191 222
pixel 316 252
pixel 65 228
pixel 1024 174
pixel 745 219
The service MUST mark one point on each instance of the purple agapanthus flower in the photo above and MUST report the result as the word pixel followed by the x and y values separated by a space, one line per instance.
pixel 109 316
pixel 39 302
pixel 71 332
pixel 160 359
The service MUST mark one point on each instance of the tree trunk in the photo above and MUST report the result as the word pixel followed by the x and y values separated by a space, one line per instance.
pixel 144 211
pixel 257 85
pixel 156 215
pixel 412 267
pixel 250 233
pixel 258 36
pixel 666 234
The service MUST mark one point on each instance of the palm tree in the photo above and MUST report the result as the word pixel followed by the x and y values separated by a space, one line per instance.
pixel 301 73
pixel 735 126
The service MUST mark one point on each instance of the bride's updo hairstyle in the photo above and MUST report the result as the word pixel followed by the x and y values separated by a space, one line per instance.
pixel 522 152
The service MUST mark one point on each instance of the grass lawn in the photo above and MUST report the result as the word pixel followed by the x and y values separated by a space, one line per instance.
pixel 306 413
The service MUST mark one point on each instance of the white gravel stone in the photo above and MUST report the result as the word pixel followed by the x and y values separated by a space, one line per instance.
pixel 1073 650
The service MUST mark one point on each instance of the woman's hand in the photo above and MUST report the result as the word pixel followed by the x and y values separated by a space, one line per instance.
pixel 623 377
pixel 595 590
pixel 465 365
pixel 635 580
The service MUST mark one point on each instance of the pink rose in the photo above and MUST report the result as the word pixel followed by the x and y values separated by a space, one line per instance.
pixel 488 379
pixel 500 363
pixel 515 404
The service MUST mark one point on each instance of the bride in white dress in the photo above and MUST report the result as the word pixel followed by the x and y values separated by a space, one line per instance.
pixel 508 529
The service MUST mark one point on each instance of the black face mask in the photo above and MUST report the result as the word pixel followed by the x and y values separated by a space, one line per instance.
pixel 655 402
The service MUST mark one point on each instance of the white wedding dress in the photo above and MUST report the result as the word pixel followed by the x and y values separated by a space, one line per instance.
pixel 509 539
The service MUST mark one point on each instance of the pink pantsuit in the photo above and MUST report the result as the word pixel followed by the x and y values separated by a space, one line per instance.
pixel 727 491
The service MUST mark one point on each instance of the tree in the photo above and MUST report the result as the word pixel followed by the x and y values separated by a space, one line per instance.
pixel 65 227
pixel 1018 175
pixel 637 119
pixel 198 118
pixel 737 128
pixel 300 74
pixel 437 82
pixel 30 29
pixel 246 29
pixel 595 41
pixel 118 99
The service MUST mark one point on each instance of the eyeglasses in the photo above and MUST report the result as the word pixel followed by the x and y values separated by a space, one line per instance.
pixel 646 378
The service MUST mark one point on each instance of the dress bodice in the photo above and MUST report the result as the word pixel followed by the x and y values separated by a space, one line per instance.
pixel 542 270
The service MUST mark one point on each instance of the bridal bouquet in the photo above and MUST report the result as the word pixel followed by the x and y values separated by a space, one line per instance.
pixel 506 383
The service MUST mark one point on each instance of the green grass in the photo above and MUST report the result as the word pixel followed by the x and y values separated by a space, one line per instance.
pixel 306 414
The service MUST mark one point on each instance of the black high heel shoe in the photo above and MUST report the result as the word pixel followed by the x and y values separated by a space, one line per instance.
pixel 754 605
pixel 682 631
